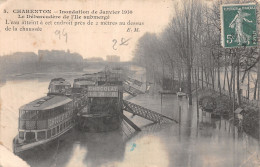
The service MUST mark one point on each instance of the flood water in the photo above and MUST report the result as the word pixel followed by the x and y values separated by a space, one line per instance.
pixel 197 141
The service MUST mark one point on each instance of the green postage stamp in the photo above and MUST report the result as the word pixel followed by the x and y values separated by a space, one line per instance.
pixel 238 25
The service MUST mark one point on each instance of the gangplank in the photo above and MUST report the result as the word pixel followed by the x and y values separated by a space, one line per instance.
pixel 131 90
pixel 134 81
pixel 145 113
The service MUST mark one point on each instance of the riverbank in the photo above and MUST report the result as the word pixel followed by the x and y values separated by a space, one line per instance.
pixel 223 105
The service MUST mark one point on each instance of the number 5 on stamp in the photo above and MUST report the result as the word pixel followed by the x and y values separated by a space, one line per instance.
pixel 238 25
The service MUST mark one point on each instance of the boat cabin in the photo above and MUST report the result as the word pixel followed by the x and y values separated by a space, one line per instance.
pixel 89 77
pixel 83 83
pixel 58 86
pixel 109 77
pixel 44 118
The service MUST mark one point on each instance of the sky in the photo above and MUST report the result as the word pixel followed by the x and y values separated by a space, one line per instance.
pixel 88 41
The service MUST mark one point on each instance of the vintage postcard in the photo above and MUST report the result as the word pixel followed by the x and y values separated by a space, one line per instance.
pixel 129 83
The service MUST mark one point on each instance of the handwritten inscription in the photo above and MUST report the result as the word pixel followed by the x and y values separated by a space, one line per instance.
pixel 123 42
pixel 62 34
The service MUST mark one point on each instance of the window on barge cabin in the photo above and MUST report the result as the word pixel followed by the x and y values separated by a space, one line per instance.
pixel 30 135
pixel 26 114
pixel 21 113
pixel 62 109
pixel 52 88
pixel 58 129
pixel 60 88
pixel 53 131
pixel 41 135
pixel 56 111
pixel 61 127
pixel 21 135
pixel 42 115
pixel 48 134
pixel 51 113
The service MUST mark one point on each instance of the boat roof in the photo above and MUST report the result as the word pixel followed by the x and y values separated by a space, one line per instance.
pixel 47 102
pixel 58 79
pixel 59 83
pixel 85 78
pixel 84 82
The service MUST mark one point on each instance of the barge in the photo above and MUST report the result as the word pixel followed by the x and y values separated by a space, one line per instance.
pixel 104 109
pixel 46 119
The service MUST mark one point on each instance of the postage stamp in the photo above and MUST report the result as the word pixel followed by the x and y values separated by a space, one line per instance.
pixel 238 25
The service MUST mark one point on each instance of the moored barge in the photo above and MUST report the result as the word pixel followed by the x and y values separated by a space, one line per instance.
pixel 43 120
pixel 49 117
pixel 103 112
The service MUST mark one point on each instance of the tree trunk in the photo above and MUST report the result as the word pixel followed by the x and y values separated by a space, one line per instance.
pixel 207 78
pixel 202 71
pixel 189 84
pixel 229 86
pixel 179 76
pixel 219 85
pixel 163 70
pixel 172 67
pixel 248 85
pixel 213 78
pixel 224 82
pixel 198 75
pixel 238 83
pixel 231 77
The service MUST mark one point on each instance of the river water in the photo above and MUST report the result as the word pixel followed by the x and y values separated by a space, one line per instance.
pixel 197 141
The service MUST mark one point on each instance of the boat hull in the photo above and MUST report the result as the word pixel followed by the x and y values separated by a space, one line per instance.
pixel 98 123
pixel 20 148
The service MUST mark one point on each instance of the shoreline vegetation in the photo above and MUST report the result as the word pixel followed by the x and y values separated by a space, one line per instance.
pixel 222 105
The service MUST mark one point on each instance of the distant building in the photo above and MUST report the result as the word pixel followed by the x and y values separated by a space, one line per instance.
pixel 59 56
pixel 113 58
pixel 95 59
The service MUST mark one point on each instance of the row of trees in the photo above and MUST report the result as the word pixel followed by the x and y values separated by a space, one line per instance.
pixel 189 49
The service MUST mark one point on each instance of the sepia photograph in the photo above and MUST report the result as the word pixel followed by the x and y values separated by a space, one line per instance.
pixel 129 83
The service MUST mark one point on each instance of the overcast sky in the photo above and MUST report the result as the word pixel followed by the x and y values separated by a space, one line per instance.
pixel 89 41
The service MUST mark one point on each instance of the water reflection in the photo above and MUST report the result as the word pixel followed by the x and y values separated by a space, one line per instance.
pixel 203 140
pixel 102 148
pixel 80 149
